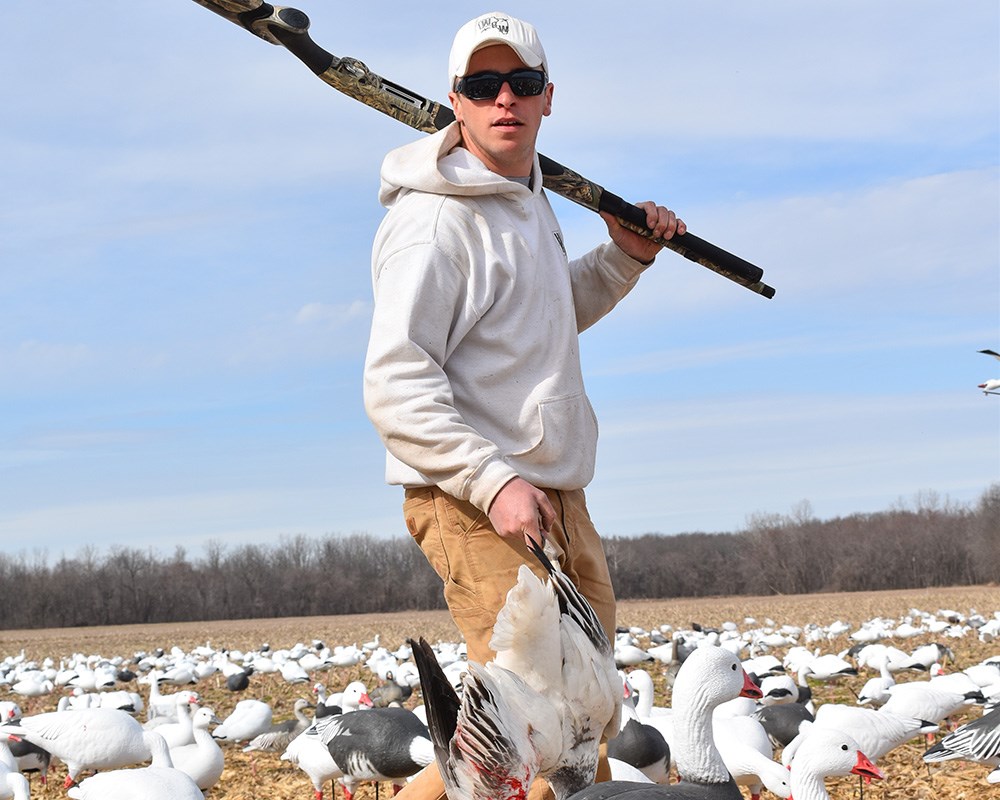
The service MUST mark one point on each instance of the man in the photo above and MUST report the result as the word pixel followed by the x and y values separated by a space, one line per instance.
pixel 473 378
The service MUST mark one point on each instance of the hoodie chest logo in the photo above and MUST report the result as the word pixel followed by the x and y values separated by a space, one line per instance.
pixel 559 239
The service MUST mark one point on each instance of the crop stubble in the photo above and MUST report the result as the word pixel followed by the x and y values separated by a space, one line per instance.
pixel 265 777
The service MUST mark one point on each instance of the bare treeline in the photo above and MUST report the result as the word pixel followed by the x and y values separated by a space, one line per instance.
pixel 929 543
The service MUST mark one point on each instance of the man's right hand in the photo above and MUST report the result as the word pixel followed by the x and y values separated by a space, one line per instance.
pixel 520 509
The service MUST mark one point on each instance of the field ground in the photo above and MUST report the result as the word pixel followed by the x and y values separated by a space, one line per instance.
pixel 270 779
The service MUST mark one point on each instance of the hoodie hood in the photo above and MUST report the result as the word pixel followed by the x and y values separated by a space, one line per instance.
pixel 438 164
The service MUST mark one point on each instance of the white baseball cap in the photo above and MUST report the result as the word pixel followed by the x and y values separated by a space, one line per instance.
pixel 495 28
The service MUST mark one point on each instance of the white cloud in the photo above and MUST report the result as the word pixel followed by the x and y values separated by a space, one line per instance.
pixel 333 315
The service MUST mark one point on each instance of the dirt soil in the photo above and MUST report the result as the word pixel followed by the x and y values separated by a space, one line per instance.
pixel 265 777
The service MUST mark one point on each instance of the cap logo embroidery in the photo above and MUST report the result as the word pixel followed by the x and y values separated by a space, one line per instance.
pixel 499 24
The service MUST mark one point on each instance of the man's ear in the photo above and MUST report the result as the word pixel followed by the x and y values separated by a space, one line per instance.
pixel 456 105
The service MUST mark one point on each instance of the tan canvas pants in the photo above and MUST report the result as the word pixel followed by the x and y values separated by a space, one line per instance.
pixel 478 568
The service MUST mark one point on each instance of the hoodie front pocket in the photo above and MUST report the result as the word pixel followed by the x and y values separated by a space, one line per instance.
pixel 564 428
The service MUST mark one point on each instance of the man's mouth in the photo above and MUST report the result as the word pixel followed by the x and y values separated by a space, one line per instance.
pixel 506 123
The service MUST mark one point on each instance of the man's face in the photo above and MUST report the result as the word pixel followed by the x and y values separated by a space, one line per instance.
pixel 501 132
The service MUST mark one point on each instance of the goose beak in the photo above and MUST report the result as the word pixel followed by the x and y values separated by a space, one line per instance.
pixel 866 769
pixel 750 689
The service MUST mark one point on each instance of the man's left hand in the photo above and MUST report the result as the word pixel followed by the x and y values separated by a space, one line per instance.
pixel 661 221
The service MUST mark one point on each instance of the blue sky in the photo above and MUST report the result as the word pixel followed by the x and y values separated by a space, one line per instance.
pixel 185 229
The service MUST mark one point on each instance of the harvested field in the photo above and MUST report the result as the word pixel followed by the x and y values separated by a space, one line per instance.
pixel 270 779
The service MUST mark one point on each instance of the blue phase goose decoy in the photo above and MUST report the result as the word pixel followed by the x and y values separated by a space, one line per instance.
pixel 309 754
pixel 783 721
pixel 977 741
pixel 30 757
pixel 377 744
pixel 639 744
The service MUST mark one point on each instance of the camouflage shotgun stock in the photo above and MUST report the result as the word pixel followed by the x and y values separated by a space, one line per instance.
pixel 289 27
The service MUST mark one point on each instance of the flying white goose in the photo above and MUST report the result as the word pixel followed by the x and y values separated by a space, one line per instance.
pixel 992 386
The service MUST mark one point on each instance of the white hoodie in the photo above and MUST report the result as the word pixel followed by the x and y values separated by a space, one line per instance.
pixel 473 370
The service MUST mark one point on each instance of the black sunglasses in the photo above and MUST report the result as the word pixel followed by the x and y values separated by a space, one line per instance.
pixel 487 85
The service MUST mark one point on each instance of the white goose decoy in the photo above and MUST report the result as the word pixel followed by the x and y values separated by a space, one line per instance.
pixel 872 656
pixel 13 785
pixel 924 701
pixel 875 692
pixel 9 711
pixel 642 692
pixel 708 677
pixel 203 759
pixel 250 718
pixel 311 755
pixel 778 689
pixel 33 686
pixel 160 781
pixel 162 707
pixel 828 667
pixel 354 696
pixel 181 732
pixel 876 731
pixel 293 672
pixel 827 753
pixel 88 739
pixel 924 657
pixel 977 741
pixel 746 750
